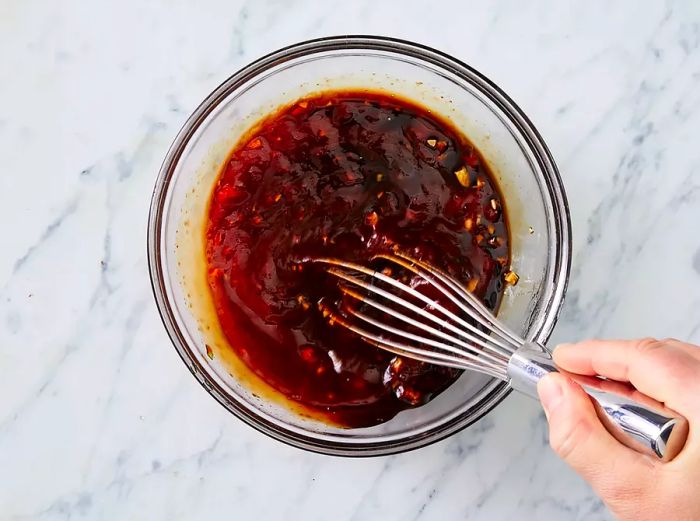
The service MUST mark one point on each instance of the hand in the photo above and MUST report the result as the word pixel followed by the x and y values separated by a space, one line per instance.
pixel 633 486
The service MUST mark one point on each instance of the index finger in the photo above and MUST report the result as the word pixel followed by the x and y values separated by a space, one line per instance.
pixel 662 370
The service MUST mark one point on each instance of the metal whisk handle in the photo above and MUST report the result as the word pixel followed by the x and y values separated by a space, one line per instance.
pixel 635 420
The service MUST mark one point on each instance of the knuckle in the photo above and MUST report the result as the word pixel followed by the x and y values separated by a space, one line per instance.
pixel 669 361
pixel 647 345
pixel 663 357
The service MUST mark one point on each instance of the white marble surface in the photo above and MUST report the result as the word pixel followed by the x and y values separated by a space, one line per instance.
pixel 99 419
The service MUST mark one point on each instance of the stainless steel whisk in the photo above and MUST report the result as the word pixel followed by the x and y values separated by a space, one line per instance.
pixel 473 339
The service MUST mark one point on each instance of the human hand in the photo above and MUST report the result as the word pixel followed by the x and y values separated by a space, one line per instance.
pixel 632 485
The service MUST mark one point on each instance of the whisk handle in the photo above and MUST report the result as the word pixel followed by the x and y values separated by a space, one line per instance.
pixel 633 418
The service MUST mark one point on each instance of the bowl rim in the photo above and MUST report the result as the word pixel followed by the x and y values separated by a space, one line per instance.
pixel 553 184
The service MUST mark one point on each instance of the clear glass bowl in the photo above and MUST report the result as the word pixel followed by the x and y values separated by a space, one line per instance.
pixel 535 199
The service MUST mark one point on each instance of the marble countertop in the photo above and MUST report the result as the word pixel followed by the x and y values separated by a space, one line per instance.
pixel 99 418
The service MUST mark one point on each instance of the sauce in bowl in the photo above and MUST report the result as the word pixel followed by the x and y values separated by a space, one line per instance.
pixel 345 174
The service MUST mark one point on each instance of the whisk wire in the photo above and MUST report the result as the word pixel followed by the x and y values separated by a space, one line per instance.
pixel 495 363
pixel 455 342
pixel 472 362
pixel 424 355
pixel 498 348
pixel 396 314
pixel 486 315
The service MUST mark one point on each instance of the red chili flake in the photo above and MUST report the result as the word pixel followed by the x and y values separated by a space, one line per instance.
pixel 300 108
pixel 307 354
pixel 228 194
pixel 210 352
pixel 254 144
pixel 372 219
pixel 472 159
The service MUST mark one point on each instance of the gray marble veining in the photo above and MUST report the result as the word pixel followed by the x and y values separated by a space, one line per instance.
pixel 99 419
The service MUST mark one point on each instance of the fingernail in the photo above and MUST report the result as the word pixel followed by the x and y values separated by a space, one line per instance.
pixel 551 393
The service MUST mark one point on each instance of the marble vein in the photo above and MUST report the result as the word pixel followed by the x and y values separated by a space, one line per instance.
pixel 99 419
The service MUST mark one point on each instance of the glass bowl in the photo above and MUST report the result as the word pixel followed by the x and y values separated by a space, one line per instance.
pixel 522 164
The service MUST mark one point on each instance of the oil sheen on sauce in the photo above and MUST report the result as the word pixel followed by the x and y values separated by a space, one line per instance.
pixel 346 174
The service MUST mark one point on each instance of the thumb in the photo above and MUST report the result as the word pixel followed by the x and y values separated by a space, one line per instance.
pixel 578 437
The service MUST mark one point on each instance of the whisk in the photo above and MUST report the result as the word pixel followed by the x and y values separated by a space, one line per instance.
pixel 466 335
